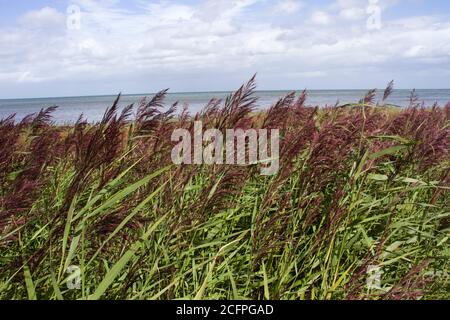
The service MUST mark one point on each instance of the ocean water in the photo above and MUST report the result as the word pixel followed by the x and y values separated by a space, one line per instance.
pixel 93 107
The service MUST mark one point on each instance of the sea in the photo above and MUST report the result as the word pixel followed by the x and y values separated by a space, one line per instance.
pixel 93 107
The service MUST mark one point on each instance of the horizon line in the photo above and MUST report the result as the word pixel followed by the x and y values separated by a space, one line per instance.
pixel 214 91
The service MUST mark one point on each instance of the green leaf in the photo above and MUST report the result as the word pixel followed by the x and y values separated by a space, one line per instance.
pixel 387 151
pixel 377 177
pixel 123 261
pixel 29 283
pixel 266 283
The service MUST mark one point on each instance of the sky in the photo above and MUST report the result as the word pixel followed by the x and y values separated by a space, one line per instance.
pixel 92 47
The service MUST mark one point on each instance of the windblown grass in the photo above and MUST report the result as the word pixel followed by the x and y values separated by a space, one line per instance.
pixel 358 185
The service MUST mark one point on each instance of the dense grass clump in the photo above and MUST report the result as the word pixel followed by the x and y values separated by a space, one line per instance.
pixel 360 185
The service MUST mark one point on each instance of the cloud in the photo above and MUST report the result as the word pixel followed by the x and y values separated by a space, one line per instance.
pixel 289 6
pixel 213 42
pixel 46 17
pixel 415 51
pixel 353 13
pixel 312 74
pixel 351 9
pixel 321 18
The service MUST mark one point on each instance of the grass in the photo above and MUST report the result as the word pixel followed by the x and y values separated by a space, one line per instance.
pixel 359 185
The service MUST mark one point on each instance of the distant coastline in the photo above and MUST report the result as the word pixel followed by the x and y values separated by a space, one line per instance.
pixel 93 107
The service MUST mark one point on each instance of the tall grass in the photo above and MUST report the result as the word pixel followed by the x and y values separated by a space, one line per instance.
pixel 359 185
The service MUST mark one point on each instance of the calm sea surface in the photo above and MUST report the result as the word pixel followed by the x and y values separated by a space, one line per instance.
pixel 93 107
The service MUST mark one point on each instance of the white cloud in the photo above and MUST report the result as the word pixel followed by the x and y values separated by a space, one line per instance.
pixel 216 39
pixel 352 9
pixel 312 74
pixel 321 17
pixel 289 6
pixel 43 18
pixel 415 51
pixel 353 13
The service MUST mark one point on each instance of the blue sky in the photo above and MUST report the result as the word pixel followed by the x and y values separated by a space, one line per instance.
pixel 138 46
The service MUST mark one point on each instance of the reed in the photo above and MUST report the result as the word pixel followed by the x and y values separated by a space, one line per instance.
pixel 359 185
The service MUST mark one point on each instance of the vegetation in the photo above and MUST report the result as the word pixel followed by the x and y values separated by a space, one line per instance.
pixel 359 185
